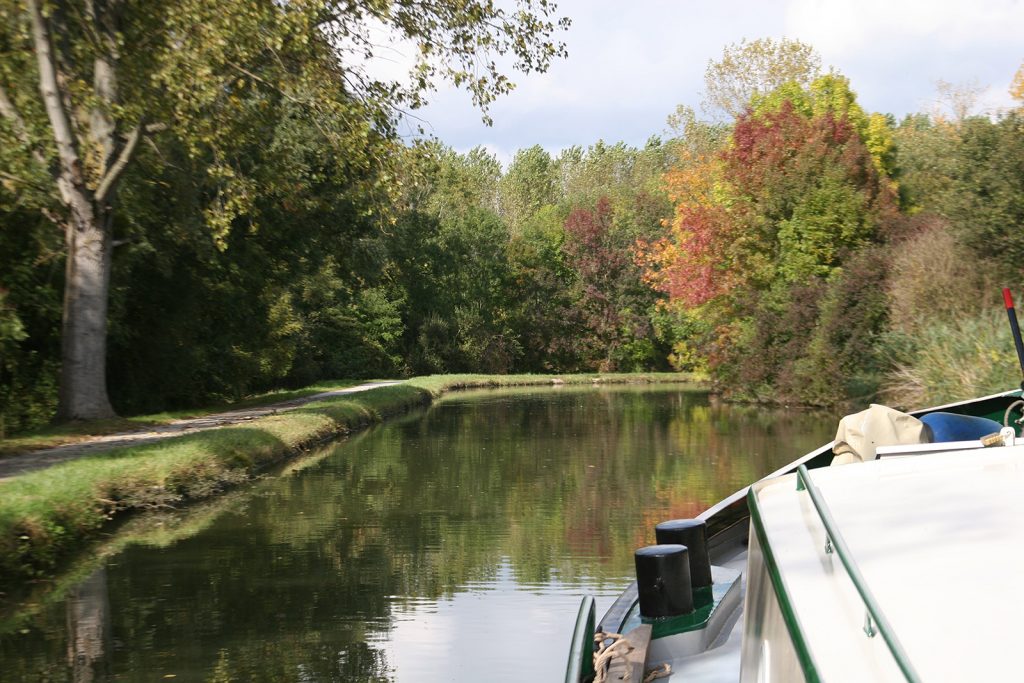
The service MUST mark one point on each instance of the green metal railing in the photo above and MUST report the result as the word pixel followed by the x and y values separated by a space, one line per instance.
pixel 874 621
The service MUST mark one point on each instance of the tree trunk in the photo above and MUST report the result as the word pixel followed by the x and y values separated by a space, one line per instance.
pixel 83 385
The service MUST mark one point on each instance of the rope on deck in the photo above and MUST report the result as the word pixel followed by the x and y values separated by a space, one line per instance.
pixel 620 648
pixel 658 672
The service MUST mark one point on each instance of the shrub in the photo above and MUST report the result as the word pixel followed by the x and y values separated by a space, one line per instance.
pixel 932 276
pixel 842 360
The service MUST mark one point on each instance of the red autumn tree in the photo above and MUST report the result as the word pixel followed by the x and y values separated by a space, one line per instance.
pixel 613 301
pixel 766 220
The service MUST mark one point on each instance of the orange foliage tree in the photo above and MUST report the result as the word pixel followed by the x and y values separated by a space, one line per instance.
pixel 763 226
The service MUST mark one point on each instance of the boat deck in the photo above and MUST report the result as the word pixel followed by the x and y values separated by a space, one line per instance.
pixel 937 539
pixel 721 662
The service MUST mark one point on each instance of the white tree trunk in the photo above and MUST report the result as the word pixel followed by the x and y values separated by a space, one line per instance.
pixel 87 235
pixel 83 385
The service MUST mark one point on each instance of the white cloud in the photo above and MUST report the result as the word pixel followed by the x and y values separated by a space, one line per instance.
pixel 894 52
pixel 841 28
pixel 630 63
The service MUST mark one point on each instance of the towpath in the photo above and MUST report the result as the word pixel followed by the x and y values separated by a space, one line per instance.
pixel 13 465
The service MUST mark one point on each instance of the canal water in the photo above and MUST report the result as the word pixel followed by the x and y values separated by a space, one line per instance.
pixel 453 544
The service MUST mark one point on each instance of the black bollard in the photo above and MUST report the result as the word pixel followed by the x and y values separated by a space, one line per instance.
pixel 663 580
pixel 693 533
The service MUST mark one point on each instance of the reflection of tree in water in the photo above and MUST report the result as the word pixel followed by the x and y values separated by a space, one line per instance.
pixel 356 662
pixel 69 642
pixel 88 628
pixel 303 581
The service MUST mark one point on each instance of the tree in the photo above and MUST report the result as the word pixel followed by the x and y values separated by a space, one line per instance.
pixel 459 182
pixel 1017 85
pixel 970 172
pixel 694 137
pixel 528 185
pixel 110 74
pixel 617 172
pixel 543 294
pixel 783 200
pixel 756 67
pixel 613 301
pixel 926 161
pixel 986 205
pixel 763 229
pixel 956 101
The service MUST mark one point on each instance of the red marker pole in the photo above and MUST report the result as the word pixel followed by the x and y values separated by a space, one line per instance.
pixel 1011 312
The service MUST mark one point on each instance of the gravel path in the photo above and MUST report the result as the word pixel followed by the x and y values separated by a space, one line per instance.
pixel 13 465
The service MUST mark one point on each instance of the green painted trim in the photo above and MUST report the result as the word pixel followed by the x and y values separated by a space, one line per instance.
pixel 581 657
pixel 704 605
pixel 796 634
pixel 840 548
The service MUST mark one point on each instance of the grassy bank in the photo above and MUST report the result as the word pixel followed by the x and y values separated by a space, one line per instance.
pixel 76 432
pixel 47 515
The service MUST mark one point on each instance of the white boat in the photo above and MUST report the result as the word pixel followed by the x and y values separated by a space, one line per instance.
pixel 899 568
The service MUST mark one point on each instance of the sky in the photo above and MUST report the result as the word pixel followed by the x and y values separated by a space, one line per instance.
pixel 631 62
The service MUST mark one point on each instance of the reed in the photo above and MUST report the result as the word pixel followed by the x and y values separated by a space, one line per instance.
pixel 954 360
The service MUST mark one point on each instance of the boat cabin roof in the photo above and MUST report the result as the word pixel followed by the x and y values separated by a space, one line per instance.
pixel 938 539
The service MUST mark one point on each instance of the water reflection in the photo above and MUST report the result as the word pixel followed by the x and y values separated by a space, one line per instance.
pixel 419 550
pixel 88 628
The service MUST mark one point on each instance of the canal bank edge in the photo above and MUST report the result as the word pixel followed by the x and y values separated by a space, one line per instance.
pixel 48 515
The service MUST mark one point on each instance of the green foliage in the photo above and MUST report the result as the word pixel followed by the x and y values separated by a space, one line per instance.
pixel 255 128
pixel 30 282
pixel 926 161
pixel 276 305
pixel 11 328
pixel 543 294
pixel 617 172
pixel 462 182
pixel 830 216
pixel 528 185
pixel 516 291
pixel 973 174
pixel 473 283
pixel 987 202
pixel 843 359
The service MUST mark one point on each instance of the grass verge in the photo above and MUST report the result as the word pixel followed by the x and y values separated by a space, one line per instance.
pixel 76 432
pixel 47 515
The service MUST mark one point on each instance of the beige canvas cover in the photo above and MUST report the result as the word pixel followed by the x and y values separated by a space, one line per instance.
pixel 861 433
